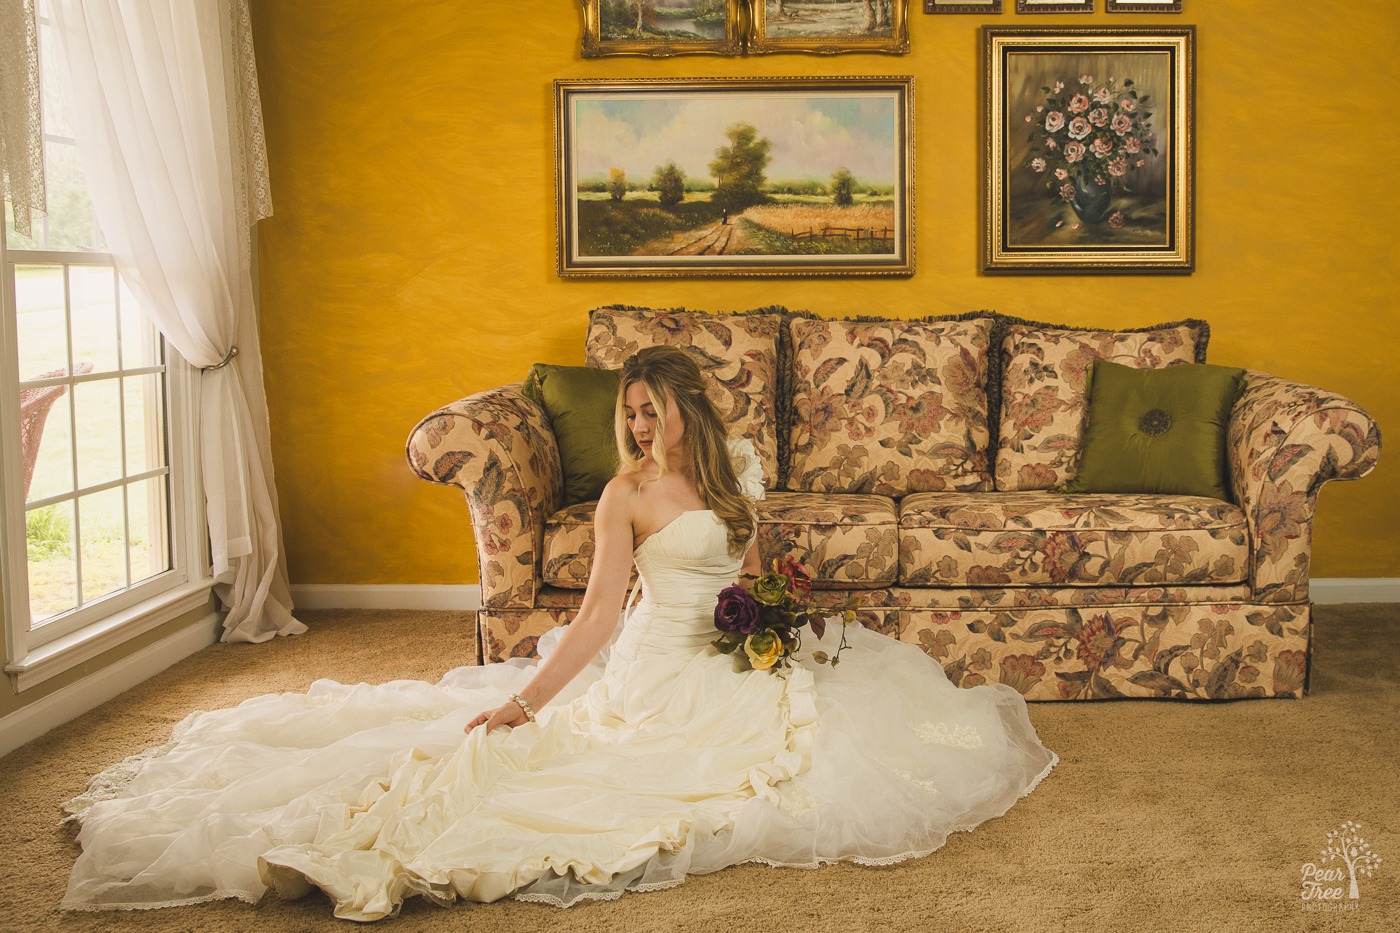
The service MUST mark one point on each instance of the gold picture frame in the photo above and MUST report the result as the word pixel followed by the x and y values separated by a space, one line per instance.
pixel 714 30
pixel 989 7
pixel 828 28
pixel 732 177
pixel 1089 149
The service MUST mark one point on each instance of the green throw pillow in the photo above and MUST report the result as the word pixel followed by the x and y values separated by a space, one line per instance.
pixel 1158 430
pixel 579 401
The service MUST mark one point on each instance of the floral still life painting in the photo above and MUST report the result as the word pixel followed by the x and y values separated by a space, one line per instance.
pixel 1089 159
pixel 792 176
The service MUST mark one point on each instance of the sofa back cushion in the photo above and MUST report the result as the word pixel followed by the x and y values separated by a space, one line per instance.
pixel 1044 402
pixel 889 407
pixel 739 350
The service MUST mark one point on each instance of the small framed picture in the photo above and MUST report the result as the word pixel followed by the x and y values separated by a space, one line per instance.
pixel 962 6
pixel 1089 159
pixel 827 28
pixel 660 29
pixel 1144 6
pixel 1054 6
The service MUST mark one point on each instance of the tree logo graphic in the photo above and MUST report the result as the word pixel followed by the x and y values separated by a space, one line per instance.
pixel 1345 858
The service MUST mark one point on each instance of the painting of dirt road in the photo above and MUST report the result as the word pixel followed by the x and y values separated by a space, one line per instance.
pixel 746 179
pixel 828 26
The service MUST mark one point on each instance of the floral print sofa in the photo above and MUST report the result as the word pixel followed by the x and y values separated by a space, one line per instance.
pixel 914 462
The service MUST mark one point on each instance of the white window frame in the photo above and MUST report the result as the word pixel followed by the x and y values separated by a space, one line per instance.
pixel 35 656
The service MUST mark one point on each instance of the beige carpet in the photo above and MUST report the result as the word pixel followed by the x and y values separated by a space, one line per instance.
pixel 1161 816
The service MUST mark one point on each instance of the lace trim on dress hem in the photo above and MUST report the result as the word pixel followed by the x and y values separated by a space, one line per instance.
pixel 246 897
pixel 110 782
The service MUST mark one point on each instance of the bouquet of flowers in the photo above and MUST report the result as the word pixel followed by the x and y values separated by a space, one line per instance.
pixel 765 620
pixel 1087 140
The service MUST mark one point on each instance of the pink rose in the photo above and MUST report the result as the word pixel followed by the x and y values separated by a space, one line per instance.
pixel 1127 104
pixel 1079 128
pixel 1132 144
pixel 1122 124
pixel 1059 86
pixel 1115 220
pixel 1078 103
pixel 1103 95
pixel 1100 180
pixel 1067 192
pixel 1118 166
pixel 1102 146
pixel 1061 173
pixel 1054 121
pixel 1074 152
pixel 1038 164
pixel 1099 116
pixel 1050 143
pixel 1086 79
pixel 1028 118
pixel 1040 108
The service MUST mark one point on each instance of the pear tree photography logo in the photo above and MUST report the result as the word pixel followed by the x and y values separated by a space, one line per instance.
pixel 1330 883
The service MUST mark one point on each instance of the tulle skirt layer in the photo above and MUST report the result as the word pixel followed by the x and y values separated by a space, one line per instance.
pixel 634 778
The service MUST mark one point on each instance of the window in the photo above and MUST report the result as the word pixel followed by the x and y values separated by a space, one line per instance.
pixel 96 500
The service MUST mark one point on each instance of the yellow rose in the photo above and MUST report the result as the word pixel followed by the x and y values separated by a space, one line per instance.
pixel 771 589
pixel 764 649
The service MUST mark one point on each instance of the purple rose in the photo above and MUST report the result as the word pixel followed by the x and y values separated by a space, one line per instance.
pixel 736 611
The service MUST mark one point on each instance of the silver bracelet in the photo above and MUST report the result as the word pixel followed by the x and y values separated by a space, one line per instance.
pixel 524 707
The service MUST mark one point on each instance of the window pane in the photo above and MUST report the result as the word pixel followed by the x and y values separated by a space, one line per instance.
pixel 92 298
pixel 103 532
pixel 70 224
pixel 140 344
pixel 48 440
pixel 41 326
pixel 149 528
pixel 99 432
pixel 145 434
pixel 53 587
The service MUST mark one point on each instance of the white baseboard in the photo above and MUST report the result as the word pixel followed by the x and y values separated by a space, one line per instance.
pixel 468 595
pixel 1355 590
pixel 351 596
pixel 30 722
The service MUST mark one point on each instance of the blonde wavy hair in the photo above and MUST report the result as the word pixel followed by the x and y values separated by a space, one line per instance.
pixel 669 371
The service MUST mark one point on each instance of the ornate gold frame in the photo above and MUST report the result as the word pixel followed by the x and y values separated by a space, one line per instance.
pixel 1005 250
pixel 572 262
pixel 896 44
pixel 594 46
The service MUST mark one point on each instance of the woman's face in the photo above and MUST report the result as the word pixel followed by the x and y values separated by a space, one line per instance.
pixel 641 420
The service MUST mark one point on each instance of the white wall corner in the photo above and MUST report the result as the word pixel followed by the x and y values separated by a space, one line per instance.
pixel 31 721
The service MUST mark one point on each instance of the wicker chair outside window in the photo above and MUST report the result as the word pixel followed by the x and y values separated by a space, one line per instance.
pixel 34 407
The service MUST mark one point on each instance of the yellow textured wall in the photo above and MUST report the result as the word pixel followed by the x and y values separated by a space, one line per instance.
pixel 410 260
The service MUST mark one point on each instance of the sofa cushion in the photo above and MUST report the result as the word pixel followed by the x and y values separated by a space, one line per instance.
pixel 1158 430
pixel 581 402
pixel 849 542
pixel 739 350
pixel 1045 538
pixel 1044 371
pixel 889 407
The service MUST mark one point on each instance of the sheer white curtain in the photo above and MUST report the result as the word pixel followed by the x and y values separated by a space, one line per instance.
pixel 163 98
pixel 21 127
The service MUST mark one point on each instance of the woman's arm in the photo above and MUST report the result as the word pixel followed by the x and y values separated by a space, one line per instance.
pixel 752 565
pixel 597 617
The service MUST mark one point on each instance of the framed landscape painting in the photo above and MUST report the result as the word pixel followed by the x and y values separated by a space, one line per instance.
pixel 806 176
pixel 829 26
pixel 1089 158
pixel 661 28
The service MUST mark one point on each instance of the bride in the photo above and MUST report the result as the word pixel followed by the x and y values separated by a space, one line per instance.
pixel 631 756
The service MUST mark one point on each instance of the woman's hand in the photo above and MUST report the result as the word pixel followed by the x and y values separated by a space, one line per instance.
pixel 507 714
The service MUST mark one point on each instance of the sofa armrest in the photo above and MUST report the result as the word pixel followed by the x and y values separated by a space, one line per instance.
pixel 498 447
pixel 1285 441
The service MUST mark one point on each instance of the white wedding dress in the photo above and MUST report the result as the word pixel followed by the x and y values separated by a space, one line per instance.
pixel 660 760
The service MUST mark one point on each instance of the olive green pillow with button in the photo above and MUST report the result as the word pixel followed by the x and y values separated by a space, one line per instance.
pixel 580 401
pixel 1158 430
